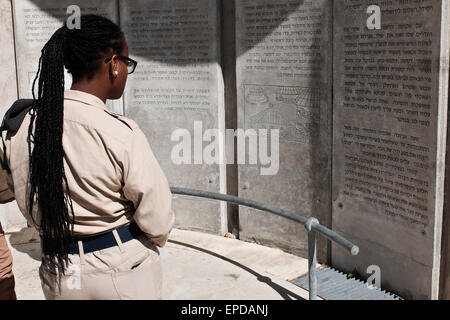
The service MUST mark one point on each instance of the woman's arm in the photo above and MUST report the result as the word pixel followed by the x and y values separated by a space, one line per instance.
pixel 147 187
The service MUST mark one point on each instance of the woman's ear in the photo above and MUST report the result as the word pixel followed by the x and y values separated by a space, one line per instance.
pixel 115 66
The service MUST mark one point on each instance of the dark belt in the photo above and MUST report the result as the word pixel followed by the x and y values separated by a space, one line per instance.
pixel 107 240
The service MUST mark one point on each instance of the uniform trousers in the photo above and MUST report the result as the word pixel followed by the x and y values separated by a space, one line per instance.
pixel 7 282
pixel 127 271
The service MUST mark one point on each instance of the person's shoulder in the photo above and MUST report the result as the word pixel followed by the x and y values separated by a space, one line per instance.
pixel 104 122
pixel 131 124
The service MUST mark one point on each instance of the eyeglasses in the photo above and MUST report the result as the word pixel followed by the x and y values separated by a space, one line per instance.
pixel 131 64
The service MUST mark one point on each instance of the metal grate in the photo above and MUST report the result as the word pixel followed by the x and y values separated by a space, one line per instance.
pixel 334 285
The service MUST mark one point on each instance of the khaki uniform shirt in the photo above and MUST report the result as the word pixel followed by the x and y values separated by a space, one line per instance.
pixel 112 173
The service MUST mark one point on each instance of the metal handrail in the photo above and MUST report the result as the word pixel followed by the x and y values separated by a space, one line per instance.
pixel 312 225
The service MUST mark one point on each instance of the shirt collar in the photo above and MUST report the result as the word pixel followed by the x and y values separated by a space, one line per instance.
pixel 85 98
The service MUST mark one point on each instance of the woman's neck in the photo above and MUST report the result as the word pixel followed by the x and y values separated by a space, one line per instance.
pixel 92 88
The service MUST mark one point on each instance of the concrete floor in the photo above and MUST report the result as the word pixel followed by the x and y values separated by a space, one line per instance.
pixel 196 266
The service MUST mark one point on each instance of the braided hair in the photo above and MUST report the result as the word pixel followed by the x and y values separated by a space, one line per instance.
pixel 81 51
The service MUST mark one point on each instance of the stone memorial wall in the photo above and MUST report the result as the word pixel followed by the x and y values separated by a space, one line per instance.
pixel 178 85
pixel 390 113
pixel 361 117
pixel 283 83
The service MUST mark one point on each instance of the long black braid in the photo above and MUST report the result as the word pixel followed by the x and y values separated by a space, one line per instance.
pixel 81 51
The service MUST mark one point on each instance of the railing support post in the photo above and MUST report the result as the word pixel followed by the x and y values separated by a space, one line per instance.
pixel 312 258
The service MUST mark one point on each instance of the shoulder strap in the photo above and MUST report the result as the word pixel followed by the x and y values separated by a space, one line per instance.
pixel 11 123
pixel 128 122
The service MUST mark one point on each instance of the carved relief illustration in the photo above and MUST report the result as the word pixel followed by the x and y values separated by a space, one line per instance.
pixel 295 111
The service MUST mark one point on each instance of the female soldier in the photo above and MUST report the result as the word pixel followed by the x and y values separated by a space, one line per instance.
pixel 86 177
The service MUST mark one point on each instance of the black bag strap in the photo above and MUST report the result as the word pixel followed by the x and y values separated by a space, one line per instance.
pixel 11 123
pixel 14 116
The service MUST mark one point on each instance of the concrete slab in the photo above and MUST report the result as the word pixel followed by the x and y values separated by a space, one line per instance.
pixel 283 71
pixel 176 94
pixel 196 266
pixel 389 158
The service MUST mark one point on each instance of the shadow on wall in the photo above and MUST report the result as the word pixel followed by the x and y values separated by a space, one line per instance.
pixel 259 36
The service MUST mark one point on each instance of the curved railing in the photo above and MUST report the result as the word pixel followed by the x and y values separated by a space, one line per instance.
pixel 312 225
